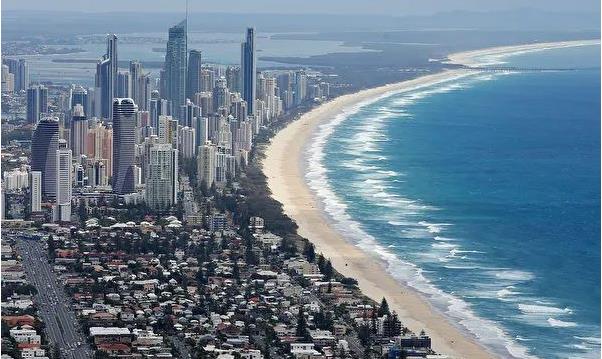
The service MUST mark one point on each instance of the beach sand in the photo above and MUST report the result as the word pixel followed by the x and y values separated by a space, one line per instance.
pixel 284 167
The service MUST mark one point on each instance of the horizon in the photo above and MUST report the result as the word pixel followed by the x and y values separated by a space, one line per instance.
pixel 314 179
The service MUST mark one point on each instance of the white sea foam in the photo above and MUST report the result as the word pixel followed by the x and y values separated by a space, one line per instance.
pixel 514 275
pixel 487 331
pixel 559 323
pixel 542 309
pixel 444 239
pixel 434 227
pixel 590 340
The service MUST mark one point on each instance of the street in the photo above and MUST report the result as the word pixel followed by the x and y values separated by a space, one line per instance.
pixel 62 328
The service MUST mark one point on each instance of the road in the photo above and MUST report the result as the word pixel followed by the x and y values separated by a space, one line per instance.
pixel 62 329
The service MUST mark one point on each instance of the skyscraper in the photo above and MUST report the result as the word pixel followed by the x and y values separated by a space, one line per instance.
pixel 124 143
pixel 123 85
pixel 79 95
pixel 175 65
pixel 300 87
pixel 63 182
pixel 106 77
pixel 187 144
pixel 161 182
pixel 37 102
pixel 44 144
pixel 221 95
pixel 206 161
pixel 233 78
pixel 20 71
pixel 78 132
pixel 35 191
pixel 22 77
pixel 248 70
pixel 194 73
pixel 8 80
pixel 168 130
pixel 139 86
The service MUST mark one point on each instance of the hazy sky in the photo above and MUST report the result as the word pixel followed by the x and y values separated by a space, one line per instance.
pixel 389 7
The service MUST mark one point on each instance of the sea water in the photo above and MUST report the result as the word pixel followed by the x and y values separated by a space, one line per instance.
pixel 483 194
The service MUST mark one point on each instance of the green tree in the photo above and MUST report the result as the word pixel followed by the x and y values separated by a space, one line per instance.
pixel 302 331
pixel 309 251
pixel 384 308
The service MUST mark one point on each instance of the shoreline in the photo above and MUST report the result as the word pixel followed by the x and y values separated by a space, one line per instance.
pixel 285 167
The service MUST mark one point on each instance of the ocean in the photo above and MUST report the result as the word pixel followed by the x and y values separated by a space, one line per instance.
pixel 483 194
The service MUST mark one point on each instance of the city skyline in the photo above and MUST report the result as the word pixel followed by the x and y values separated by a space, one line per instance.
pixel 395 180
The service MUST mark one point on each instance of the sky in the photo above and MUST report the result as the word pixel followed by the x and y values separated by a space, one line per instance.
pixel 383 7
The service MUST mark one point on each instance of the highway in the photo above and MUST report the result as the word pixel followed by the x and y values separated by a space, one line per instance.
pixel 62 329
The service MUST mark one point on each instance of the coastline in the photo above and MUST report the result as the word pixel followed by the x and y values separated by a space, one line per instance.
pixel 285 168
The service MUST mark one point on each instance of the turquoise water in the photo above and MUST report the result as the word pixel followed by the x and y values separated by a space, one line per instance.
pixel 483 193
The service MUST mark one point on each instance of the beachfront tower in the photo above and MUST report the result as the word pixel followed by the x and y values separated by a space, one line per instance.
pixel 194 73
pixel 175 65
pixel 248 70
pixel 44 144
pixel 106 77
pixel 124 137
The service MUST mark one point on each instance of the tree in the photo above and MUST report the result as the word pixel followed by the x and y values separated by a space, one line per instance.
pixel 51 246
pixel 302 331
pixel 384 308
pixel 236 271
pixel 328 270
pixel 363 333
pixel 391 326
pixel 309 252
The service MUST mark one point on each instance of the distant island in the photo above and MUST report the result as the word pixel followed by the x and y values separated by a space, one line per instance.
pixel 26 48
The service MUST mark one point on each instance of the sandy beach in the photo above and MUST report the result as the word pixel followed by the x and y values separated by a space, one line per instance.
pixel 284 167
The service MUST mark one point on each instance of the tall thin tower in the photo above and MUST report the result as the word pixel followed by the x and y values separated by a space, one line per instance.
pixel 176 65
pixel 124 145
pixel 106 77
pixel 248 70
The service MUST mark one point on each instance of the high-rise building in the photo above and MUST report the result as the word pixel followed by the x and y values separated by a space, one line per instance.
pixel 123 84
pixel 206 161
pixel 205 101
pixel 175 65
pixel 64 182
pixel 233 78
pixel 99 145
pixel 248 70
pixel 35 191
pixel 8 80
pixel 162 177
pixel 168 130
pixel 187 142
pixel 79 132
pixel 207 80
pixel 79 96
pixel 37 103
pixel 44 144
pixel 300 87
pixel 201 127
pixel 194 73
pixel 188 112
pixel 22 77
pixel 139 86
pixel 97 173
pixel 124 144
pixel 20 73
pixel 221 95
pixel 158 107
pixel 106 77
